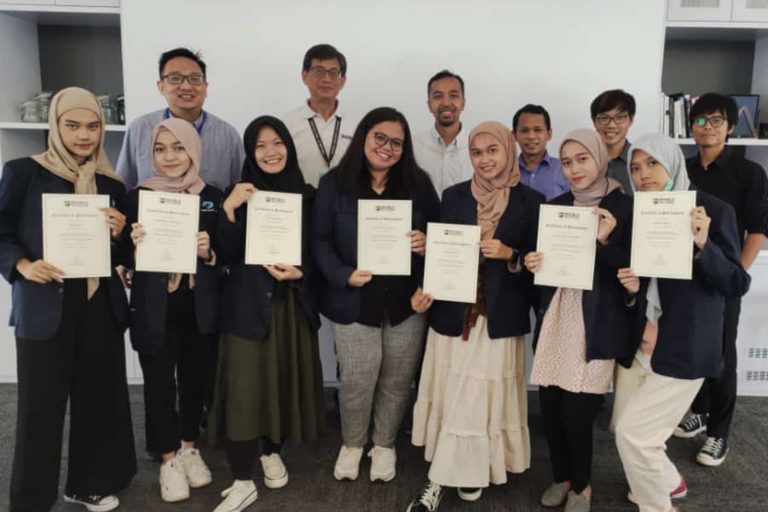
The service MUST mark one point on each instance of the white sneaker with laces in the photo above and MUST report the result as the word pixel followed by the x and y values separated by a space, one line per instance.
pixel 195 469
pixel 348 463
pixel 94 503
pixel 238 497
pixel 173 481
pixel 382 463
pixel 275 474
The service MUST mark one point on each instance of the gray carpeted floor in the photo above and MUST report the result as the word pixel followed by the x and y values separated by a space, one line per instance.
pixel 741 484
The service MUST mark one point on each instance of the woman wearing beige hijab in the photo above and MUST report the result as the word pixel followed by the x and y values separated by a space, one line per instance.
pixel 471 411
pixel 69 332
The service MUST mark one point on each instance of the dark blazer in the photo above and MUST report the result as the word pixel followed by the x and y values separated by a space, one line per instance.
pixel 36 310
pixel 248 290
pixel 334 245
pixel 508 295
pixel 149 292
pixel 607 319
pixel 690 341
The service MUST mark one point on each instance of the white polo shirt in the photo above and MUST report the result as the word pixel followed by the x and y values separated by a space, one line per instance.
pixel 311 161
pixel 446 165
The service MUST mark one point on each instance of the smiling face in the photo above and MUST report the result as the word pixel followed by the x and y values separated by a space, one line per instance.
pixel 183 97
pixel 323 79
pixel 648 175
pixel 613 125
pixel 489 157
pixel 384 145
pixel 170 157
pixel 270 153
pixel 532 134
pixel 80 132
pixel 579 166
pixel 446 101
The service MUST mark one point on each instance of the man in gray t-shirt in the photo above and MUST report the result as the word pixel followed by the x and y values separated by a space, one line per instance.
pixel 612 114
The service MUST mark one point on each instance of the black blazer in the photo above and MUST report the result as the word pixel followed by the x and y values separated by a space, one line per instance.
pixel 149 292
pixel 690 341
pixel 248 290
pixel 334 245
pixel 508 295
pixel 36 310
pixel 607 319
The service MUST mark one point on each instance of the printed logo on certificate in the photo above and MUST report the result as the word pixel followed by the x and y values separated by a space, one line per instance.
pixel 76 234
pixel 567 241
pixel 171 222
pixel 451 262
pixel 383 244
pixel 662 239
pixel 273 229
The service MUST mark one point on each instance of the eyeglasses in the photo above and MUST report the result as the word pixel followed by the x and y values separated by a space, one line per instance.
pixel 605 120
pixel 177 79
pixel 382 139
pixel 714 121
pixel 320 72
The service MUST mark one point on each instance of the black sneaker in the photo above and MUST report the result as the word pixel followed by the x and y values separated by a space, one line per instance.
pixel 691 426
pixel 94 503
pixel 429 499
pixel 713 452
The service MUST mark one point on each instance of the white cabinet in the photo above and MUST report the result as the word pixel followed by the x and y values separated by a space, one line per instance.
pixel 26 2
pixel 699 10
pixel 750 10
pixel 88 3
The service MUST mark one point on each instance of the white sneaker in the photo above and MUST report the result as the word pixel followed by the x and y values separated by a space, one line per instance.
pixel 94 503
pixel 198 474
pixel 238 497
pixel 382 463
pixel 173 481
pixel 275 474
pixel 348 463
pixel 469 494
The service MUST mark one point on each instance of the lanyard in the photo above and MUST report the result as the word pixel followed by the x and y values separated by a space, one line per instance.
pixel 319 141
pixel 167 114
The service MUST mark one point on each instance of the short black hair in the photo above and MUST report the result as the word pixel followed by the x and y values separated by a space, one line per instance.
pixel 614 98
pixel 444 74
pixel 324 52
pixel 181 52
pixel 531 109
pixel 714 103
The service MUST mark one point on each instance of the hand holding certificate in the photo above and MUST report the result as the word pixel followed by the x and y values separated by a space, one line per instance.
pixel 662 239
pixel 451 262
pixel 273 231
pixel 383 236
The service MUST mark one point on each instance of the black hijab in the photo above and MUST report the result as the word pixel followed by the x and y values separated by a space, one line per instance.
pixel 290 178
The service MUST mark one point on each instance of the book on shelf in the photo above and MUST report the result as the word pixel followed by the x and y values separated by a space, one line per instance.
pixel 675 120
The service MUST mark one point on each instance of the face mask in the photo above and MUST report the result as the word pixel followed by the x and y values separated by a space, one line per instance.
pixel 669 186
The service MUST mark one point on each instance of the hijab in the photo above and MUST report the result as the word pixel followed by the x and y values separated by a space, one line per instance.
pixel 290 179
pixel 603 185
pixel 190 182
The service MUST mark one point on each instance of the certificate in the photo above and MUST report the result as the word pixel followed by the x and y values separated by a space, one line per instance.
pixel 451 262
pixel 567 240
pixel 171 224
pixel 383 244
pixel 76 234
pixel 662 240
pixel 273 230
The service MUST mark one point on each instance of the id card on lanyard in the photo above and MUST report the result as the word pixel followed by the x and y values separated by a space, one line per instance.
pixel 327 156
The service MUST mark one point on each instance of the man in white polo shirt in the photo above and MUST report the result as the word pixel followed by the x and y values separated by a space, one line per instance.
pixel 442 150
pixel 321 131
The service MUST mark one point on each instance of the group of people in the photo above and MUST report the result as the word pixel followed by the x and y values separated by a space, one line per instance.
pixel 236 345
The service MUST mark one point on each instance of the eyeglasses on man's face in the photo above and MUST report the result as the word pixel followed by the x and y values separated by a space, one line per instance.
pixel 178 79
pixel 320 72
pixel 383 139
pixel 605 120
pixel 714 121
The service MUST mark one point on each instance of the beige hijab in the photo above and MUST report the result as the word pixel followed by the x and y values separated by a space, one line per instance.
pixel 190 182
pixel 492 195
pixel 603 185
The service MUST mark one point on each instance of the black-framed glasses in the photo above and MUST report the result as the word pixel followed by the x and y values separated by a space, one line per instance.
pixel 382 139
pixel 320 72
pixel 714 121
pixel 605 120
pixel 178 79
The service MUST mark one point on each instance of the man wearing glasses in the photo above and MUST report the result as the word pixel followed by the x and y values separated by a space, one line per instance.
pixel 742 184
pixel 321 131
pixel 184 86
pixel 612 114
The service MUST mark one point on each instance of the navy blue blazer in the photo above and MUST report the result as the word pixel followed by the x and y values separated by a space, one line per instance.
pixel 607 319
pixel 36 309
pixel 249 289
pixel 508 295
pixel 334 245
pixel 149 292
pixel 690 341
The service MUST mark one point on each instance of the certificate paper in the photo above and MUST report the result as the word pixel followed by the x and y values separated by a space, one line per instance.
pixel 451 262
pixel 383 244
pixel 76 234
pixel 662 240
pixel 567 238
pixel 273 232
pixel 171 223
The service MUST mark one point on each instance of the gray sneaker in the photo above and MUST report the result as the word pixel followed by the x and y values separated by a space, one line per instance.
pixel 555 495
pixel 577 503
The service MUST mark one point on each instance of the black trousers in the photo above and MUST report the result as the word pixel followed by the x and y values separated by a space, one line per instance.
pixel 185 359
pixel 83 364
pixel 568 420
pixel 241 456
pixel 717 397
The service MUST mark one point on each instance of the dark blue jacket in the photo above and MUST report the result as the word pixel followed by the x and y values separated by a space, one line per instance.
pixel 149 292
pixel 248 289
pixel 690 341
pixel 36 310
pixel 508 295
pixel 334 245
pixel 607 319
